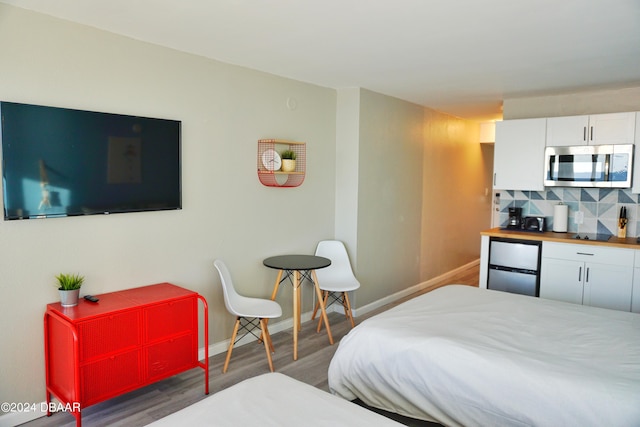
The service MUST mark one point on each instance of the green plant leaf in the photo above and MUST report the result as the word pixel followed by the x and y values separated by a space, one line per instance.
pixel 288 154
pixel 69 282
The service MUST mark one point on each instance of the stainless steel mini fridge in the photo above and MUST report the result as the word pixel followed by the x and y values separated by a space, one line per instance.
pixel 514 266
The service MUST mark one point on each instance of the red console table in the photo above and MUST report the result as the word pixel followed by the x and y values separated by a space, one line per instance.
pixel 127 340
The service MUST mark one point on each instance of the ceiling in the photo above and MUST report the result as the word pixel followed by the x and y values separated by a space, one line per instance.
pixel 462 57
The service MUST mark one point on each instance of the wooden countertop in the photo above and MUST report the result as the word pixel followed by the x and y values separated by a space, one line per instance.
pixel 551 236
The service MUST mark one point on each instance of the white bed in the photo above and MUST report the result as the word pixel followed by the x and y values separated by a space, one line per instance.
pixel 460 355
pixel 276 400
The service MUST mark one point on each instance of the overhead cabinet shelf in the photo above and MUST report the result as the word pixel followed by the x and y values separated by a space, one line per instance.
pixel 598 129
pixel 274 169
pixel 519 153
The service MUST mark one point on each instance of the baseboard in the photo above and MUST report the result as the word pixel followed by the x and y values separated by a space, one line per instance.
pixel 429 285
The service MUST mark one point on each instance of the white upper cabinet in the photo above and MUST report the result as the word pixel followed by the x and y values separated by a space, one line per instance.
pixel 519 155
pixel 564 131
pixel 597 129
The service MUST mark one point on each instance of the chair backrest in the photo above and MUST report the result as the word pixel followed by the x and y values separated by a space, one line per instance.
pixel 340 270
pixel 231 297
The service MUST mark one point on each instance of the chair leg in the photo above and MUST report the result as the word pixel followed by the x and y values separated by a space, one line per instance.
pixel 266 329
pixel 315 310
pixel 347 308
pixel 231 343
pixel 324 301
pixel 317 307
pixel 266 339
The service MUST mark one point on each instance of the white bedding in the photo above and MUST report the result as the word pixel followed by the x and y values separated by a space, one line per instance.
pixel 276 400
pixel 461 355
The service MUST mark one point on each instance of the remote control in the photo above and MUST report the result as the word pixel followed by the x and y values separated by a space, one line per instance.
pixel 91 298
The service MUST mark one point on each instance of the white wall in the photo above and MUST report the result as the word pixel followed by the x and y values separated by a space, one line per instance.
pixel 413 190
pixel 347 167
pixel 456 198
pixel 389 195
pixel 226 212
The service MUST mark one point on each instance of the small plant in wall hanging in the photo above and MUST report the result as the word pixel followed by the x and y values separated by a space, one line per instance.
pixel 288 160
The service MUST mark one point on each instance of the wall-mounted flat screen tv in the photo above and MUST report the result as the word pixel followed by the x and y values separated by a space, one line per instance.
pixel 63 162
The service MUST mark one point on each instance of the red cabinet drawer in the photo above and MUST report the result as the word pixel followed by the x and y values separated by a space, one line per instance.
pixel 110 377
pixel 109 334
pixel 169 319
pixel 171 356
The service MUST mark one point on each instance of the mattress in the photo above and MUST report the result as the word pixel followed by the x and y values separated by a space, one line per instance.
pixel 275 400
pixel 460 355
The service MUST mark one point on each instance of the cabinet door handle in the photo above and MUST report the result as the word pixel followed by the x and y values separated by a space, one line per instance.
pixel 494 179
pixel 580 274
pixel 584 253
pixel 591 134
pixel 584 133
pixel 587 276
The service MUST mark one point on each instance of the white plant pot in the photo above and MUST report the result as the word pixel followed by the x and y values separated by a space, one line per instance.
pixel 69 298
pixel 288 165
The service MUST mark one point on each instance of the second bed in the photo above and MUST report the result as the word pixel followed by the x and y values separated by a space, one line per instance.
pixel 460 355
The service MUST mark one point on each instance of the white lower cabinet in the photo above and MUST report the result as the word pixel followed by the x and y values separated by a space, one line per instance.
pixel 635 292
pixel 561 280
pixel 588 274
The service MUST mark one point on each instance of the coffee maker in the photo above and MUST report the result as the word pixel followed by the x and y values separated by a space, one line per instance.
pixel 515 218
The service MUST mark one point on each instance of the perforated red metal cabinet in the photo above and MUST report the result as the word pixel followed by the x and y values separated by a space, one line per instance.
pixel 129 339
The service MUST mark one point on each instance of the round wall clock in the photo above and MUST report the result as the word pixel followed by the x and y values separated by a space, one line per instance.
pixel 271 160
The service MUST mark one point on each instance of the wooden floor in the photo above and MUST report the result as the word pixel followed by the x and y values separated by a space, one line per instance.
pixel 153 402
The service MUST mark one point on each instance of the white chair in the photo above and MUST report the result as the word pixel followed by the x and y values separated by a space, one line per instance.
pixel 251 314
pixel 337 279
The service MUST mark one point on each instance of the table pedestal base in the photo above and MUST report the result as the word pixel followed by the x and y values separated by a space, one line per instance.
pixel 297 301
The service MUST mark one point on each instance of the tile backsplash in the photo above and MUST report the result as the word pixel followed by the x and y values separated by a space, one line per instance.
pixel 600 206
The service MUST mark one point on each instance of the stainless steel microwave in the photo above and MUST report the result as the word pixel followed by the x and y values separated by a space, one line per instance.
pixel 589 166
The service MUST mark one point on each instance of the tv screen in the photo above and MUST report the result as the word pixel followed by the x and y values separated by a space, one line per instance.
pixel 64 162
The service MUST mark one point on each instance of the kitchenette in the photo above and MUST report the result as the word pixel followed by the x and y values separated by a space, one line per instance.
pixel 568 222
pixel 565 268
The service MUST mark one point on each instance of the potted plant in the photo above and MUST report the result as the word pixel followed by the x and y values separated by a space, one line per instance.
pixel 288 161
pixel 69 287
